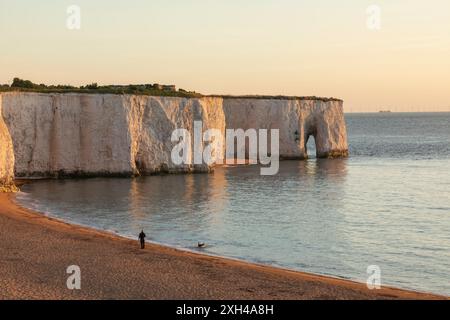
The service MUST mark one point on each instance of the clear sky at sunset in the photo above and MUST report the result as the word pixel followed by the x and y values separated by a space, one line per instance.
pixel 292 47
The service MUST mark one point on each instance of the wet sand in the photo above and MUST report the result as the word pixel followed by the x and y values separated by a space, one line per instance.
pixel 35 252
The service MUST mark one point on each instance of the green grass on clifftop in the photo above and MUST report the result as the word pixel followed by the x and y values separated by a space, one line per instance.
pixel 20 85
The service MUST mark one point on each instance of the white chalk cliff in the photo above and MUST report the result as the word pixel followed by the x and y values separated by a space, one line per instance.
pixel 57 135
pixel 6 156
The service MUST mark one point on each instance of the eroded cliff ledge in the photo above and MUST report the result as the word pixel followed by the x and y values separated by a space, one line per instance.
pixel 76 134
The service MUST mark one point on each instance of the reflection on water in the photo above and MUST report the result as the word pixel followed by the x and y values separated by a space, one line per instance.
pixel 387 205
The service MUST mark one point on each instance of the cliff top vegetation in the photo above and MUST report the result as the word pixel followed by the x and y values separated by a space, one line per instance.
pixel 93 88
pixel 137 89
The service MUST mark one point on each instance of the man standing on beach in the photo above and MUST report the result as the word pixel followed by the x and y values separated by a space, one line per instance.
pixel 142 239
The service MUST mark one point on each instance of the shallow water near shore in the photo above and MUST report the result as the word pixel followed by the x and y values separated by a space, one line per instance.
pixel 387 205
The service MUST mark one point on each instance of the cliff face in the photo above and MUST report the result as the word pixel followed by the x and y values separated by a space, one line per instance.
pixel 101 135
pixel 66 134
pixel 297 120
pixel 151 121
pixel 6 156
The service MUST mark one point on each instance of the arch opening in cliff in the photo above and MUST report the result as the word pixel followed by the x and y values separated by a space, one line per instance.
pixel 311 146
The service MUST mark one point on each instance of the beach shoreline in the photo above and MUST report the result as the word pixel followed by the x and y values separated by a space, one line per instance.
pixel 36 251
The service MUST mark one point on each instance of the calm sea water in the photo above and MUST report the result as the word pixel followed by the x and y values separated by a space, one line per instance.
pixel 387 205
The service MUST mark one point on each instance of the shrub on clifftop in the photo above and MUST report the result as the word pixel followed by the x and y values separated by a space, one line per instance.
pixel 19 83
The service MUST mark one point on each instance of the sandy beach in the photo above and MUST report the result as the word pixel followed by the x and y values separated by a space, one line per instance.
pixel 35 252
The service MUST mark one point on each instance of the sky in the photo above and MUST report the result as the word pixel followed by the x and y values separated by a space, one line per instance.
pixel 397 58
